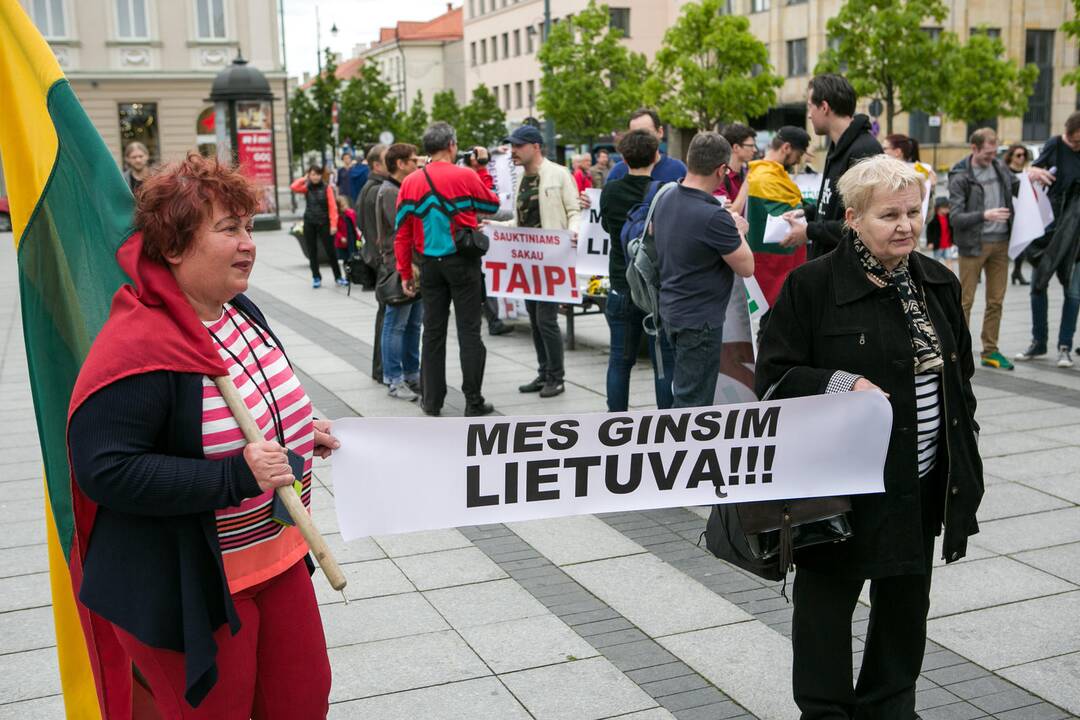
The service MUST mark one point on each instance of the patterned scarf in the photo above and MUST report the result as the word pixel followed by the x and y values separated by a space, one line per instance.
pixel 923 338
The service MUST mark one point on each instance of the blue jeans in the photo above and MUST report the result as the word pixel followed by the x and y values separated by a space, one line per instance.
pixel 624 321
pixel 401 342
pixel 697 364
pixel 1040 310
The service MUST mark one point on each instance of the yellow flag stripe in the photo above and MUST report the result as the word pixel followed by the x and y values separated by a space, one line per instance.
pixel 29 69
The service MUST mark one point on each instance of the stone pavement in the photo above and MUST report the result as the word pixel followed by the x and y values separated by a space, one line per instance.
pixel 609 616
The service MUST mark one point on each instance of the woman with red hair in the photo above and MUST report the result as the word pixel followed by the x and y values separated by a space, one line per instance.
pixel 189 565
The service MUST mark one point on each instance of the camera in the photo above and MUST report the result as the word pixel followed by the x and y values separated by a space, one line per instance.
pixel 467 156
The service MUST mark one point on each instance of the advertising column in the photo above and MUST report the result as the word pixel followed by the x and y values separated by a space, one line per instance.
pixel 255 150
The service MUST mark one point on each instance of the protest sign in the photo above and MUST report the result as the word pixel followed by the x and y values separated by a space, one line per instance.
pixel 593 241
pixel 531 264
pixel 505 174
pixel 809 184
pixel 396 475
pixel 1031 214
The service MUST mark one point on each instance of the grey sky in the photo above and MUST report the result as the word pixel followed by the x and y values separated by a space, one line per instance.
pixel 358 21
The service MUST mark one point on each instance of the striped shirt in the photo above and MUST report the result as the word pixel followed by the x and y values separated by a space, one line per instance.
pixel 928 414
pixel 254 546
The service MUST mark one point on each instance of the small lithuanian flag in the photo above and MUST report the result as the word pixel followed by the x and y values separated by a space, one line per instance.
pixel 70 210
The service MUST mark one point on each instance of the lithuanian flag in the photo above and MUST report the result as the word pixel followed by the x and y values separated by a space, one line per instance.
pixel 771 191
pixel 70 210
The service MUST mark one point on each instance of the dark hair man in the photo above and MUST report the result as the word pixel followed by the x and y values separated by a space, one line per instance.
pixel 981 191
pixel 640 150
pixel 667 169
pixel 830 105
pixel 426 221
pixel 698 246
pixel 743 149
pixel 1062 153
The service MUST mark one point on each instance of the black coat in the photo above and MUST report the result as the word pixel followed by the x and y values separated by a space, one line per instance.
pixel 366 211
pixel 825 228
pixel 830 317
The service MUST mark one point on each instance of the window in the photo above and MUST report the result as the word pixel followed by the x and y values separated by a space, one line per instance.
pixel 620 19
pixel 483 51
pixel 210 19
pixel 138 123
pixel 131 19
pixel 530 40
pixel 757 6
pixel 517 95
pixel 494 48
pixel 796 57
pixel 472 54
pixel 1039 49
pixel 834 45
pixel 919 127
pixel 472 8
pixel 991 32
pixel 517 43
pixel 531 88
pixel 795 2
pixel 206 132
pixel 505 45
pixel 50 18
pixel 506 96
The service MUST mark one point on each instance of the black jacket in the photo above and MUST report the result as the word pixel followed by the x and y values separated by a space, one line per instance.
pixel 153 565
pixel 967 203
pixel 830 317
pixel 366 211
pixel 826 220
pixel 933 230
pixel 1059 249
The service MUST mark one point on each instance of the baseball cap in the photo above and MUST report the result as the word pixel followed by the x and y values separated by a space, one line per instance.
pixel 795 136
pixel 525 135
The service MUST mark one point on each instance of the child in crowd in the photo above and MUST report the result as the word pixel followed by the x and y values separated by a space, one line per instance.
pixel 939 234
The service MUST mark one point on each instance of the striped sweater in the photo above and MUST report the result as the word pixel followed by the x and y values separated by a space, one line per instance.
pixel 426 222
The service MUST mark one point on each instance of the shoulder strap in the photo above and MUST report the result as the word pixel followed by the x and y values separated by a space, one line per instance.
pixel 448 210
pixel 652 204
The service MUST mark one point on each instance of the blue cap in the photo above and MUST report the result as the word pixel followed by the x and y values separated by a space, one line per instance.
pixel 525 135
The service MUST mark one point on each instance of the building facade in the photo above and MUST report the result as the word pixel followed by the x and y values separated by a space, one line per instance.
pixel 142 69
pixel 421 57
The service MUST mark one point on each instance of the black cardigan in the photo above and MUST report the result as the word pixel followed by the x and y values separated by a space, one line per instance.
pixel 153 565
pixel 830 317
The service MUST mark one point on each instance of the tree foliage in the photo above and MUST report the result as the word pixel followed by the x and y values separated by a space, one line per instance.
pixel 412 125
pixel 711 70
pixel 324 93
pixel 303 124
pixel 482 121
pixel 983 83
pixel 1071 28
pixel 367 107
pixel 445 108
pixel 591 81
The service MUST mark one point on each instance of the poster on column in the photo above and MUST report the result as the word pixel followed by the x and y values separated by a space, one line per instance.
pixel 593 241
pixel 255 150
pixel 531 264
pixel 475 471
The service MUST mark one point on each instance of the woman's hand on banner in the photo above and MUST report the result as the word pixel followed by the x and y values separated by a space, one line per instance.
pixel 325 443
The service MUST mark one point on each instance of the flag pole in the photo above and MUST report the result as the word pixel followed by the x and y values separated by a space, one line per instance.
pixel 287 494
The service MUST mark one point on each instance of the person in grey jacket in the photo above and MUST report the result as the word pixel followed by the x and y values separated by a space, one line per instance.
pixel 981 191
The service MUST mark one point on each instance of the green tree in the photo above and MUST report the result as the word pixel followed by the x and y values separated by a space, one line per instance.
pixel 303 119
pixel 367 107
pixel 884 50
pixel 1071 28
pixel 591 81
pixel 445 108
pixel 482 121
pixel 711 70
pixel 325 91
pixel 413 124
pixel 983 83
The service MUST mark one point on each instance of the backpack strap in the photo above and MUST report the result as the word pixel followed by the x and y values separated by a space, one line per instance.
pixel 655 198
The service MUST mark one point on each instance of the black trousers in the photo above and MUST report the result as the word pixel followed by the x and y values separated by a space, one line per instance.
pixel 458 280
pixel 316 234
pixel 892 656
pixel 547 339
pixel 376 358
pixel 490 307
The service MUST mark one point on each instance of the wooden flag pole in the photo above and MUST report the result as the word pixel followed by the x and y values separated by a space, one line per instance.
pixel 288 495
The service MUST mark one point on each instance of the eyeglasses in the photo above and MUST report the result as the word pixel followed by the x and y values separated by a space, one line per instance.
pixel 748 146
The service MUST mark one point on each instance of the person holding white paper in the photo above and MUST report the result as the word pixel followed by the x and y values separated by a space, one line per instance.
pixel 874 315
pixel 1058 168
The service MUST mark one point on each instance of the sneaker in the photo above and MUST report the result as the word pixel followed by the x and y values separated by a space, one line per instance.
pixel 414 385
pixel 499 328
pixel 316 283
pixel 1064 357
pixel 553 388
pixel 1034 350
pixel 535 386
pixel 996 360
pixel 342 282
pixel 484 408
pixel 401 391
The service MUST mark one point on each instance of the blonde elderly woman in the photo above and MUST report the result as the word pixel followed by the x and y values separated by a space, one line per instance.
pixel 874 315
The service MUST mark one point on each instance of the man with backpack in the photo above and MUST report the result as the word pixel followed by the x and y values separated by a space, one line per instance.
pixel 547 197
pixel 624 203
pixel 698 246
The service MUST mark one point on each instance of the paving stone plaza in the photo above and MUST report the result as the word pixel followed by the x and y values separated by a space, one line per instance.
pixel 610 616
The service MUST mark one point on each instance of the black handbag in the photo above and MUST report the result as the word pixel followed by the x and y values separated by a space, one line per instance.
pixel 388 289
pixel 469 242
pixel 762 537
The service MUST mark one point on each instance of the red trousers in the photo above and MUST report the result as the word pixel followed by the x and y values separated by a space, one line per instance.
pixel 275 667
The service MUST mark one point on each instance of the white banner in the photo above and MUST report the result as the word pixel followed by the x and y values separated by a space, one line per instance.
pixel 809 185
pixel 531 264
pixel 505 174
pixel 1031 214
pixel 396 475
pixel 593 241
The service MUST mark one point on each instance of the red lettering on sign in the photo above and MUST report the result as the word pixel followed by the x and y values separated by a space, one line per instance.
pixel 518 281
pixel 496 268
pixel 536 280
pixel 573 283
pixel 553 275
